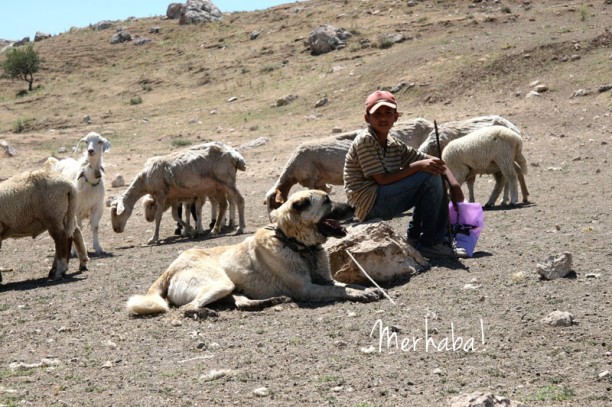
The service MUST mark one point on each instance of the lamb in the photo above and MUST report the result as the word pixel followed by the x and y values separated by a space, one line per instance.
pixel 453 130
pixel 192 172
pixel 87 174
pixel 43 200
pixel 218 203
pixel 450 131
pixel 490 150
pixel 318 164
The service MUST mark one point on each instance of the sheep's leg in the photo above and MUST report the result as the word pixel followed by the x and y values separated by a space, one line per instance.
pixel 94 223
pixel 521 179
pixel 470 184
pixel 159 211
pixel 177 212
pixel 497 189
pixel 233 195
pixel 219 220
pixel 214 209
pixel 183 228
pixel 79 245
pixel 509 173
pixel 197 214
pixel 62 253
pixel 232 214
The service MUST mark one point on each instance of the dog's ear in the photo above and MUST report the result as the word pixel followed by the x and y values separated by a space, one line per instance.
pixel 302 204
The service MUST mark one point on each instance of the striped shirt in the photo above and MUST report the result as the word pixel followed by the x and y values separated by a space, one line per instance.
pixel 365 158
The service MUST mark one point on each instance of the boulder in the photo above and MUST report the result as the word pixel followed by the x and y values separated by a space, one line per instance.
pixel 383 254
pixel 173 11
pixel 327 38
pixel 199 11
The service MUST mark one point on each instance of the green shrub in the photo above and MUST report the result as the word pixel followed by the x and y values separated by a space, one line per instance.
pixel 135 100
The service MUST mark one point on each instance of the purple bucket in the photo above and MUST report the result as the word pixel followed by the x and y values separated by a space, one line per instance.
pixel 469 225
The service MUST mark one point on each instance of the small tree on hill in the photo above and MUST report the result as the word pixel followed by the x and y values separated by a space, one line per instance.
pixel 22 63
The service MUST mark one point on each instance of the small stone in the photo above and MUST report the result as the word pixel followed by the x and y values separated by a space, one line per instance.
pixel 559 318
pixel 368 350
pixel 261 392
pixel 603 374
pixel 232 99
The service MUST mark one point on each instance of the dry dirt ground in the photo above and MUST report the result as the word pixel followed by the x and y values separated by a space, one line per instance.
pixel 72 343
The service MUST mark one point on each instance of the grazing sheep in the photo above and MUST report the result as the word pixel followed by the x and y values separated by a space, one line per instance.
pixel 450 131
pixel 187 173
pixel 490 150
pixel 87 174
pixel 319 164
pixel 40 200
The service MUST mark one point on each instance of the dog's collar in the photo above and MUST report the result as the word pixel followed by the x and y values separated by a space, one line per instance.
pixel 292 243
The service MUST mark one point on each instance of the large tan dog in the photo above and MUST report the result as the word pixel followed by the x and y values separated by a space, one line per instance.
pixel 280 262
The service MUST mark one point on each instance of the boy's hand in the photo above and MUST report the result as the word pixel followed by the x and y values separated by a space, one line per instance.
pixel 432 165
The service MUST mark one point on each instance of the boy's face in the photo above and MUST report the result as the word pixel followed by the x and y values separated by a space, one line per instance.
pixel 382 119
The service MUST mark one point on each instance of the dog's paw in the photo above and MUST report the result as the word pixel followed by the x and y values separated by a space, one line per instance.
pixel 198 313
pixel 373 293
pixel 368 295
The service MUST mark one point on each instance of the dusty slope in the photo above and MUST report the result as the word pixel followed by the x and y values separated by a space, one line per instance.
pixel 464 60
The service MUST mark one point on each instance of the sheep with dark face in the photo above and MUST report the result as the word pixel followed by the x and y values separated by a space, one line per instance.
pixel 188 173
pixel 43 200
pixel 88 175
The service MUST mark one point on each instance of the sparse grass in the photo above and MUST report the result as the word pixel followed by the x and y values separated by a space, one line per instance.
pixel 181 142
pixel 135 100
pixel 21 125
pixel 584 13
pixel 554 393
pixel 268 68
pixel 385 43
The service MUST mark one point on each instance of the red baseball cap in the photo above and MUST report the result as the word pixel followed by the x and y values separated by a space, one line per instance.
pixel 378 99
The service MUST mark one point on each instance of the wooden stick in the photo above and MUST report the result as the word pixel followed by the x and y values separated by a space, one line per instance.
pixel 445 180
pixel 370 278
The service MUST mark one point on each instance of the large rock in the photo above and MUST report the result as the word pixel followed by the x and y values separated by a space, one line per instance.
pixel 327 38
pixel 173 11
pixel 383 254
pixel 555 266
pixel 199 11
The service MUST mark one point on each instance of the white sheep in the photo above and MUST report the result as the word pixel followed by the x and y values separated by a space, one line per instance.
pixel 453 130
pixel 88 175
pixel 318 164
pixel 187 173
pixel 43 200
pixel 489 150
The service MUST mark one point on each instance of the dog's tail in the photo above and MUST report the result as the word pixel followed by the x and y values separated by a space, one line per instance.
pixel 146 304
pixel 153 302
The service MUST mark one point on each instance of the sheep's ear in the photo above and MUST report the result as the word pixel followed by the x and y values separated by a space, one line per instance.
pixel 120 207
pixel 107 146
pixel 278 198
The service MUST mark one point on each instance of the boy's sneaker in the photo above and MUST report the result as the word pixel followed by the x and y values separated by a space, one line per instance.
pixel 443 250
pixel 413 241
